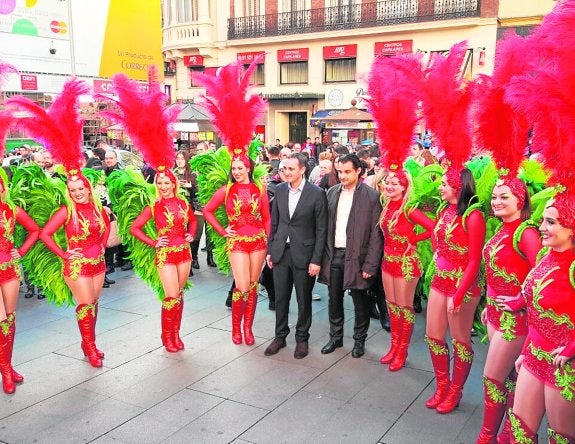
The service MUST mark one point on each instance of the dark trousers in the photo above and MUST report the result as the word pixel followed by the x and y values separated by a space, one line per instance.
pixel 286 276
pixel 336 293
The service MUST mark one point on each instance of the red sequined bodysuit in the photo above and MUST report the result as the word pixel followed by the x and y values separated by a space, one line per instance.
pixel 400 257
pixel 550 295
pixel 248 213
pixel 174 218
pixel 506 268
pixel 89 233
pixel 9 268
pixel 458 245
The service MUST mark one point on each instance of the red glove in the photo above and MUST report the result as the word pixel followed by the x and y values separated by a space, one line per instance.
pixel 209 210
pixel 56 221
pixel 138 224
pixel 192 222
pixel 418 217
pixel 476 236
pixel 569 350
pixel 31 227
pixel 530 244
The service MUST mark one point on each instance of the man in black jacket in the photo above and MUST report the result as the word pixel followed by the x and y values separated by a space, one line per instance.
pixel 297 242
pixel 353 251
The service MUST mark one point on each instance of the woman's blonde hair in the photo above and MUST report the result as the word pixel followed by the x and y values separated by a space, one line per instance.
pixel 72 212
pixel 385 201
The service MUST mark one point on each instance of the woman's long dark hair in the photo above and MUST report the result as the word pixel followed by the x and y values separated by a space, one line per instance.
pixel 467 192
pixel 188 175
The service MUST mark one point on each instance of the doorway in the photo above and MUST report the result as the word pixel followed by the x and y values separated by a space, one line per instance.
pixel 297 127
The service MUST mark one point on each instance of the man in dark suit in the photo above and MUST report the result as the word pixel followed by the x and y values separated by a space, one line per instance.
pixel 295 249
pixel 353 252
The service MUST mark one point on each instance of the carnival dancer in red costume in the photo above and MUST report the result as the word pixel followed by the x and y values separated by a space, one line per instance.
pixel 10 215
pixel 459 233
pixel 86 226
pixel 546 380
pixel 235 113
pixel 511 253
pixel 393 101
pixel 147 119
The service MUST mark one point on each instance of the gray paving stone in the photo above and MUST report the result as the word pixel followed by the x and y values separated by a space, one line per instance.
pixel 166 418
pixel 222 424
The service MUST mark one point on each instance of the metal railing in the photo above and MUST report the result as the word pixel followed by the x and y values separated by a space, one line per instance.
pixel 381 13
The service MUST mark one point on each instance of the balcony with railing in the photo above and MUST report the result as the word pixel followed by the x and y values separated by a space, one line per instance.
pixel 365 15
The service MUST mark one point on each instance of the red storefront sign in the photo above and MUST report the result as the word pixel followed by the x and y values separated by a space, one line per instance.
pixel 29 82
pixel 245 58
pixel 261 132
pixel 395 47
pixel 107 86
pixel 293 55
pixel 340 52
pixel 194 60
pixel 211 70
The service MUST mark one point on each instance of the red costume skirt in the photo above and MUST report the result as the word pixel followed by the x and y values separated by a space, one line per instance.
pixel 540 364
pixel 404 267
pixel 173 255
pixel 9 271
pixel 247 244
pixel 85 267
pixel 511 324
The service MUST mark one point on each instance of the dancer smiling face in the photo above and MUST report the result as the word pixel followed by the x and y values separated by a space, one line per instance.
pixel 79 192
pixel 555 235
pixel 166 187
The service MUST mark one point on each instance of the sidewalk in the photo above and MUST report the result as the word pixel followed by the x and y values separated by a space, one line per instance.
pixel 214 391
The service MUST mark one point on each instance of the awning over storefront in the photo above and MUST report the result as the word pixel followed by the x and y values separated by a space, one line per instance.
pixel 317 118
pixel 186 127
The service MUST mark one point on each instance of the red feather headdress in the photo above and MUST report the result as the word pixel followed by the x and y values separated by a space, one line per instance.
pixel 394 86
pixel 545 97
pixel 60 128
pixel 233 109
pixel 147 118
pixel 498 127
pixel 446 103
pixel 6 119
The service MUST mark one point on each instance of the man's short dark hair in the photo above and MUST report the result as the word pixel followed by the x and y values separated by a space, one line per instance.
pixel 274 150
pixel 341 150
pixel 352 157
pixel 301 159
pixel 100 153
pixel 363 154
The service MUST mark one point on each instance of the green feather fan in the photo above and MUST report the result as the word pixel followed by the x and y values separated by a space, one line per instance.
pixel 41 196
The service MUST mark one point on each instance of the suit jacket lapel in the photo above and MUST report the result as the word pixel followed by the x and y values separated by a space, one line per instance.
pixel 301 200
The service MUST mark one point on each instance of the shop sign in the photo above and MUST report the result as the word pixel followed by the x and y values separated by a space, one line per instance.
pixel 340 52
pixel 193 60
pixel 393 47
pixel 293 55
pixel 107 86
pixel 245 58
pixel 29 82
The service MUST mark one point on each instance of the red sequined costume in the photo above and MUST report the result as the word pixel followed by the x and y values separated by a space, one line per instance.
pixel 89 232
pixel 506 268
pixel 399 260
pixel 549 291
pixel 9 267
pixel 248 213
pixel 174 218
pixel 458 243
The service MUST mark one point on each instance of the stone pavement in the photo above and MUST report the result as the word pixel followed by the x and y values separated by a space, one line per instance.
pixel 214 391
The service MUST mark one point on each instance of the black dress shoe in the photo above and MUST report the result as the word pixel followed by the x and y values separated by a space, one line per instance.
pixel 229 300
pixel 29 293
pixel 358 349
pixel 110 269
pixel 127 266
pixel 385 323
pixel 195 264
pixel 191 273
pixel 301 350
pixel 109 281
pixel 106 285
pixel 272 305
pixel 332 345
pixel 41 295
pixel 417 305
pixel 275 346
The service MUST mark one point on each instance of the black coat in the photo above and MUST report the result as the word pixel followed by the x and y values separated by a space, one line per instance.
pixel 364 245
pixel 306 229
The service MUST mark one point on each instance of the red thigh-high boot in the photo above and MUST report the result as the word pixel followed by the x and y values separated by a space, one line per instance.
pixel 5 367
pixel 169 316
pixel 237 314
pixel 439 353
pixel 85 314
pixel 505 435
pixel 18 378
pixel 520 433
pixel 250 311
pixel 99 352
pixel 559 438
pixel 406 323
pixel 394 323
pixel 495 399
pixel 462 360
pixel 180 308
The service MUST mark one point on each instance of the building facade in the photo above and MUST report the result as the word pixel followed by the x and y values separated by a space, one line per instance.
pixel 318 52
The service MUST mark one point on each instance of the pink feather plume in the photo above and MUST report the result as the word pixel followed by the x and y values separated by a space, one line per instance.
pixel 6 121
pixel 5 70
pixel 234 111
pixel 146 117
pixel 394 86
pixel 545 95
pixel 498 127
pixel 446 103
pixel 60 128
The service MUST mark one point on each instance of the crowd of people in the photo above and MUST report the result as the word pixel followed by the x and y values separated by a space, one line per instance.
pixel 480 230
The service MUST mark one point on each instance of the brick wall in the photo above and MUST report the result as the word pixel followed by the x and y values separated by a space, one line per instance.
pixel 489 8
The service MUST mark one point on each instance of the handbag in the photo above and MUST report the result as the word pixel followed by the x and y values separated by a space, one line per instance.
pixel 113 239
